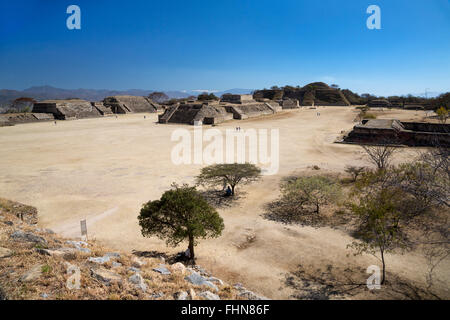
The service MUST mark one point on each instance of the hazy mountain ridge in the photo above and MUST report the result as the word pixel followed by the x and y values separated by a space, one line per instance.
pixel 48 92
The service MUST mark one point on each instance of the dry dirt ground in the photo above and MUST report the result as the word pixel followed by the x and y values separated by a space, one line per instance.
pixel 105 169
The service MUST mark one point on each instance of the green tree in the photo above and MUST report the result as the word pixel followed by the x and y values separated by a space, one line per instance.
pixel 181 214
pixel 205 96
pixel 232 174
pixel 442 114
pixel 379 218
pixel 315 191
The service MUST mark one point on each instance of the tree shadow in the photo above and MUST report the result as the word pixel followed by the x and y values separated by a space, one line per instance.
pixel 218 199
pixel 168 258
pixel 309 283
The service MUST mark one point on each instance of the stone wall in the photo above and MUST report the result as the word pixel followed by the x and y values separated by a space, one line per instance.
pixel 130 104
pixel 67 109
pixel 17 118
pixel 415 134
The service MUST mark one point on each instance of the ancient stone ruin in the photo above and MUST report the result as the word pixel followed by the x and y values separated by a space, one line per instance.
pixel 72 109
pixel 395 132
pixel 214 112
pixel 379 103
pixel 67 109
pixel 130 104
pixel 313 94
pixel 17 118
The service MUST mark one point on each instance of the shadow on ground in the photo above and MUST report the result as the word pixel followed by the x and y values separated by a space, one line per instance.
pixel 309 283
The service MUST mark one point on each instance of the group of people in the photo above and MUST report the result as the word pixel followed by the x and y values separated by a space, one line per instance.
pixel 238 128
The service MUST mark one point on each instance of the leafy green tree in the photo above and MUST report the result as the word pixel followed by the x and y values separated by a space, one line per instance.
pixel 380 230
pixel 442 114
pixel 232 174
pixel 314 190
pixel 205 96
pixel 181 214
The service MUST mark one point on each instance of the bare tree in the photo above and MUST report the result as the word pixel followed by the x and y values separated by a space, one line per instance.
pixel 380 155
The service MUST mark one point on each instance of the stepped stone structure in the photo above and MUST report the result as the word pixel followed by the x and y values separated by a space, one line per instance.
pixel 104 111
pixel 290 104
pixel 318 94
pixel 379 103
pixel 130 104
pixel 67 109
pixel 394 132
pixel 237 98
pixel 16 118
pixel 213 112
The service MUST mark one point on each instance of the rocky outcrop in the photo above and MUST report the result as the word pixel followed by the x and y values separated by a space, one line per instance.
pixel 49 265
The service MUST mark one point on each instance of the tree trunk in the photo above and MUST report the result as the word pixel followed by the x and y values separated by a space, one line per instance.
pixel 317 208
pixel 384 267
pixel 191 248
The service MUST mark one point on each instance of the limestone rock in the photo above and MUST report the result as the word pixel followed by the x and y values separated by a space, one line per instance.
pixel 133 269
pixel 5 252
pixel 138 281
pixel 20 235
pixel 178 268
pixel 196 279
pixel 192 293
pixel 215 280
pixel 99 260
pixel 105 275
pixel 32 274
pixel 162 269
pixel 249 295
pixel 208 295
pixel 80 246
pixel 136 262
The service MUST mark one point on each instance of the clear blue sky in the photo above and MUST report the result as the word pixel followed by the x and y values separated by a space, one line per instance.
pixel 224 44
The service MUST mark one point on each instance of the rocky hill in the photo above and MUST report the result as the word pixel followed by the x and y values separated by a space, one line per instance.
pixel 37 264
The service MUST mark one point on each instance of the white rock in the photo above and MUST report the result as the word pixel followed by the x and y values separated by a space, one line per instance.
pixel 138 281
pixel 105 275
pixel 5 252
pixel 208 295
pixel 32 274
pixel 178 268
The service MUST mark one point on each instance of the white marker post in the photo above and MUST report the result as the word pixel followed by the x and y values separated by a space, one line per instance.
pixel 83 228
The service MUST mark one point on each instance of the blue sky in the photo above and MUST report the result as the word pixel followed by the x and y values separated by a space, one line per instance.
pixel 224 44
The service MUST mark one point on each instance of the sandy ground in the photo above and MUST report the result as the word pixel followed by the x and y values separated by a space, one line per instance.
pixel 105 169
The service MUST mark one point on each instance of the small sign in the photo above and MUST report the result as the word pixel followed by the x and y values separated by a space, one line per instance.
pixel 83 228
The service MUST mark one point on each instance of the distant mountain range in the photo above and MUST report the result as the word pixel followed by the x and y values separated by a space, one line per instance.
pixel 48 92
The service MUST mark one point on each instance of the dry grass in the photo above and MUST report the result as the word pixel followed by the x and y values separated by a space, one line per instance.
pixel 51 284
